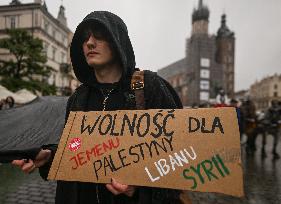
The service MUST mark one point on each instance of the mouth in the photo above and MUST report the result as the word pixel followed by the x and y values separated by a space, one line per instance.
pixel 92 53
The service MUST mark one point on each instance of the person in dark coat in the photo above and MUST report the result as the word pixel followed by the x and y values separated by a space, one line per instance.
pixel 104 62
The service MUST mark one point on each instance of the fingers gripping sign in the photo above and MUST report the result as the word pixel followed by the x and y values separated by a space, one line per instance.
pixel 28 165
pixel 118 188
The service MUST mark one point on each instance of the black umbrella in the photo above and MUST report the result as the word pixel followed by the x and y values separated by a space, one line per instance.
pixel 24 129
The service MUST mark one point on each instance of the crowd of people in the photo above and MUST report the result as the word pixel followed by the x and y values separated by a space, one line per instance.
pixel 267 122
pixel 7 103
pixel 253 123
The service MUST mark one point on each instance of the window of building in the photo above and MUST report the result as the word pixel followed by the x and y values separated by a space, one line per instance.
pixel 204 96
pixel 205 73
pixel 63 59
pixel 65 42
pixel 205 62
pixel 229 46
pixel 204 85
pixel 275 94
pixel 36 19
pixel 54 53
pixel 13 22
pixel 54 33
pixel 46 26
pixel 275 86
pixel 46 48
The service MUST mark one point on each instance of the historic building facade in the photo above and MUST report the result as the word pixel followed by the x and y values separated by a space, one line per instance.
pixel 209 63
pixel 54 33
pixel 264 91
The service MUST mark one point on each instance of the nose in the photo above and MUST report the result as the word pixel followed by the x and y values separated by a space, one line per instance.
pixel 91 42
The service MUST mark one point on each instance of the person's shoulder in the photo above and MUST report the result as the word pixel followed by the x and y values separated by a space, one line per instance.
pixel 157 86
pixel 80 89
pixel 151 77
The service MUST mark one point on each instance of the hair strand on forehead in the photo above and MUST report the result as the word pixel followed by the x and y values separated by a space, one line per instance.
pixel 96 29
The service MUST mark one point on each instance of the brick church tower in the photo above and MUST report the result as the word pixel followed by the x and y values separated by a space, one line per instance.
pixel 225 55
pixel 208 65
pixel 204 73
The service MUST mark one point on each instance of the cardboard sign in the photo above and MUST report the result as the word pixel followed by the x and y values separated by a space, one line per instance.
pixel 189 149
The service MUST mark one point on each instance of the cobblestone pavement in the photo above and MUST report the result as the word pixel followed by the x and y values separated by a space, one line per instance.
pixel 18 188
pixel 262 183
pixel 34 192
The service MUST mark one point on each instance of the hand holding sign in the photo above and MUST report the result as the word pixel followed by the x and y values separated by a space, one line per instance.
pixel 118 188
pixel 28 166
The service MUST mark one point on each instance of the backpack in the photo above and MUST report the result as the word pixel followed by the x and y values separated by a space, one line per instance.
pixel 138 84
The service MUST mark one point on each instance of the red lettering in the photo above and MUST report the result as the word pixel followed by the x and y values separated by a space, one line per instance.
pixel 116 145
pixel 88 153
pixel 76 163
pixel 98 149
pixel 106 146
pixel 80 158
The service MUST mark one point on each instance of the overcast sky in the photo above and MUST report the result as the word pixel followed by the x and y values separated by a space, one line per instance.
pixel 159 28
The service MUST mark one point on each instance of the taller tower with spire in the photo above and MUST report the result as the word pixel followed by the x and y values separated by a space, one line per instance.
pixel 208 65
pixel 200 54
pixel 225 42
pixel 200 19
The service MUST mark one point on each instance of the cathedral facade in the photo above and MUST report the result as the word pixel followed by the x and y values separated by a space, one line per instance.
pixel 208 66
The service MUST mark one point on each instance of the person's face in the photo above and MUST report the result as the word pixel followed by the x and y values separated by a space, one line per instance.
pixel 96 48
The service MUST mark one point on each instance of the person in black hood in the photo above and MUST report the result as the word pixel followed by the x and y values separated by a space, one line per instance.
pixel 104 62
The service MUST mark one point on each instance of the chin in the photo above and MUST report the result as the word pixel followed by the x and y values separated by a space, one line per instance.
pixel 94 63
pixel 97 64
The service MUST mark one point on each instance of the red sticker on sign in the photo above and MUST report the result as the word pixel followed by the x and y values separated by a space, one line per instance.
pixel 74 144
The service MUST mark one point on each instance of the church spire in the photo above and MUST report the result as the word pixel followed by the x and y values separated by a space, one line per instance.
pixel 201 13
pixel 45 6
pixel 61 15
pixel 224 31
pixel 200 4
pixel 15 2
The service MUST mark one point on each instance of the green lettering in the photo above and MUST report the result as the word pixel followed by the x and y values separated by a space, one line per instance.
pixel 208 170
pixel 184 173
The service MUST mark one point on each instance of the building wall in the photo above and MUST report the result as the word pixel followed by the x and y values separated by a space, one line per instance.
pixel 225 56
pixel 205 75
pixel 266 90
pixel 55 36
pixel 178 82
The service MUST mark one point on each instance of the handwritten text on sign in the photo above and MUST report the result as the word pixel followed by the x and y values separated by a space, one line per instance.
pixel 161 148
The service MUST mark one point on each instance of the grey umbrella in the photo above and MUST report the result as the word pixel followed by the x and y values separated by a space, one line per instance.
pixel 24 129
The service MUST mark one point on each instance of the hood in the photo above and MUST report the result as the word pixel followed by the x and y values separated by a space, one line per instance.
pixel 120 38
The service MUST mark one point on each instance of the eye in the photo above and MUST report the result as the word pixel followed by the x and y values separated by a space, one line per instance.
pixel 99 35
pixel 86 35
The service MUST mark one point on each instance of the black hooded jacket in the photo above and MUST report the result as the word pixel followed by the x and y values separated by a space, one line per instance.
pixel 89 97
